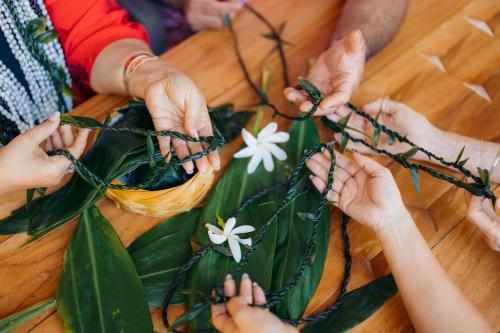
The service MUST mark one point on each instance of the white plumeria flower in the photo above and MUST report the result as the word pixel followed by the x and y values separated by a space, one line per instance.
pixel 230 234
pixel 264 147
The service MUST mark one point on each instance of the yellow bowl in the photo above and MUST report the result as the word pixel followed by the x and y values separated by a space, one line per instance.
pixel 164 203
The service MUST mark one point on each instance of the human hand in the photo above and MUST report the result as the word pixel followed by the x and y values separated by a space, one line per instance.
pixel 208 14
pixel 397 117
pixel 481 213
pixel 175 104
pixel 362 188
pixel 237 316
pixel 336 73
pixel 23 164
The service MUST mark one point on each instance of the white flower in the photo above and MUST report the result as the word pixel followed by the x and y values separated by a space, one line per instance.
pixel 230 234
pixel 263 148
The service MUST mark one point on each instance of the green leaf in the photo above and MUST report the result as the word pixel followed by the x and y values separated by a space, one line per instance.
pixel 343 144
pixel 357 307
pixel 158 267
pixel 66 90
pixel 37 26
pixel 100 290
pixel 228 122
pixel 484 174
pixel 459 157
pixel 306 217
pixel 309 88
pixel 392 140
pixel 344 121
pixel 10 322
pixel 376 137
pixel 151 152
pixel 194 312
pixel 29 197
pixel 113 155
pixel 409 154
pixel 294 233
pixel 46 37
pixel 415 178
pixel 463 162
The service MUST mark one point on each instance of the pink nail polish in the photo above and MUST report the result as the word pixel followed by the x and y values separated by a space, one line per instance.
pixel 54 116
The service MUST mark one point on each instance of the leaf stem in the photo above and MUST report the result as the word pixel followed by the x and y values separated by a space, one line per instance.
pixel 266 77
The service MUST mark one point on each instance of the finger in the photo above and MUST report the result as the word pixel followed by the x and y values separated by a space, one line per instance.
pixel 212 22
pixel 306 106
pixel 66 135
pixel 370 166
pixel 39 133
pixel 182 151
pixel 321 187
pixel 246 288
pixel 332 102
pixel 295 96
pixel 229 286
pixel 222 321
pixel 48 144
pixel 259 297
pixel 227 8
pixel 57 140
pixel 196 110
pixel 347 164
pixel 318 169
pixel 162 123
pixel 236 306
pixel 78 146
pixel 384 105
pixel 355 42
pixel 202 162
pixel 214 159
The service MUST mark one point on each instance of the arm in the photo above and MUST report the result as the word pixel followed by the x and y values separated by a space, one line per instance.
pixel 367 192
pixel 364 27
pixel 378 20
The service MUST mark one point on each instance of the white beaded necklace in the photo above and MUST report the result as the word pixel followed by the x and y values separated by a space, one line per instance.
pixel 23 108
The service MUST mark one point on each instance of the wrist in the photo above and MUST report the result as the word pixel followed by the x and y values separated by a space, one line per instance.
pixel 145 74
pixel 393 226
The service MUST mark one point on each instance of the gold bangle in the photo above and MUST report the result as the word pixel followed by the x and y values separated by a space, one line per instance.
pixel 131 66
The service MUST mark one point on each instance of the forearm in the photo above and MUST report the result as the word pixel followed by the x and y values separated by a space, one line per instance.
pixel 479 153
pixel 434 303
pixel 107 72
pixel 379 21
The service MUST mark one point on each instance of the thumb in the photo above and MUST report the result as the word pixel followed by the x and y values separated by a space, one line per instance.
pixel 355 42
pixel 41 132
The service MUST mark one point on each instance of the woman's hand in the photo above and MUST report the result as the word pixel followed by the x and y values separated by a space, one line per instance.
pixel 481 213
pixel 362 188
pixel 175 104
pixel 397 117
pixel 336 73
pixel 237 316
pixel 23 164
pixel 208 14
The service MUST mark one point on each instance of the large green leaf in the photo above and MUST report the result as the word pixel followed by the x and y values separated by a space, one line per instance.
pixel 357 307
pixel 294 232
pixel 8 323
pixel 159 254
pixel 100 290
pixel 111 156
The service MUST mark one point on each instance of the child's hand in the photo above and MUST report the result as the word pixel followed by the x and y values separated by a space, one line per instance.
pixel 482 214
pixel 23 164
pixel 237 316
pixel 362 188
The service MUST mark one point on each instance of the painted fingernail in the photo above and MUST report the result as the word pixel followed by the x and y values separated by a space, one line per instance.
pixel 189 172
pixel 54 116
pixel 255 284
pixel 229 277
pixel 311 177
pixel 245 276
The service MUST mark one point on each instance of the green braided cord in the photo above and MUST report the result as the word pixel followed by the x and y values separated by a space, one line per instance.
pixel 37 52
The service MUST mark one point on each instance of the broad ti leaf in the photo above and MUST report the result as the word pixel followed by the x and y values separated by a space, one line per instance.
pixel 358 305
pixel 113 155
pixel 10 322
pixel 190 315
pixel 294 233
pixel 415 178
pixel 100 290
pixel 160 253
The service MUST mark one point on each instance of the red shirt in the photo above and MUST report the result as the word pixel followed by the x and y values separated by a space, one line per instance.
pixel 85 28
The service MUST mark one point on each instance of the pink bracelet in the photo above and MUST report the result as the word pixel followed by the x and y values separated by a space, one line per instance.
pixel 132 64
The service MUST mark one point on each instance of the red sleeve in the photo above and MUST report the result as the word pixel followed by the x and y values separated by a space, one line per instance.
pixel 85 27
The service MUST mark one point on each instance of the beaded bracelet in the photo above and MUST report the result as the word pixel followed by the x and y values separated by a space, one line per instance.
pixel 132 64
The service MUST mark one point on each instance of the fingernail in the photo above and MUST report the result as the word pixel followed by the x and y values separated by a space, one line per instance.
pixel 255 284
pixel 311 177
pixel 323 148
pixel 195 133
pixel 245 276
pixel 189 172
pixel 229 277
pixel 216 167
pixel 54 116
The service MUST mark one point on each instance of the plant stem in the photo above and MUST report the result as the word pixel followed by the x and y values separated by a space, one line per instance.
pixel 266 77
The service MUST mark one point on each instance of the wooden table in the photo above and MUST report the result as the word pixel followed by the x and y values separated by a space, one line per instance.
pixel 29 274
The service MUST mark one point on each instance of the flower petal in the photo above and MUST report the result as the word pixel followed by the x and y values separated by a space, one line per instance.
pixel 246 241
pixel 254 161
pixel 230 223
pixel 266 131
pixel 268 160
pixel 279 137
pixel 213 229
pixel 279 153
pixel 217 238
pixel 245 152
pixel 234 246
pixel 243 229
pixel 249 139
